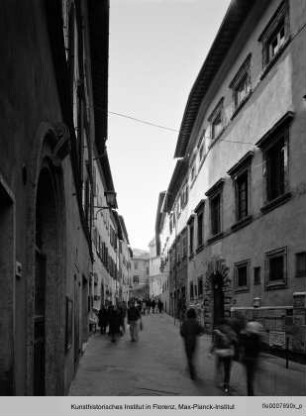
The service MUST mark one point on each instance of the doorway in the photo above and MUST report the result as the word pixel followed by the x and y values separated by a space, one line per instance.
pixel 48 316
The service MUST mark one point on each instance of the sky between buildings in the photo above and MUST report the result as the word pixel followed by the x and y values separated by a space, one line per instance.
pixel 157 48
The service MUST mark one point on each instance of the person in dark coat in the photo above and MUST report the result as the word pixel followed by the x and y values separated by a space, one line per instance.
pixel 160 306
pixel 134 317
pixel 190 330
pixel 153 304
pixel 103 319
pixel 115 320
pixel 251 346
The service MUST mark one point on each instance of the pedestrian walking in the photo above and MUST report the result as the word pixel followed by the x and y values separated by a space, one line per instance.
pixel 134 317
pixel 190 330
pixel 251 346
pixel 114 323
pixel 153 304
pixel 148 306
pixel 103 319
pixel 223 346
pixel 160 306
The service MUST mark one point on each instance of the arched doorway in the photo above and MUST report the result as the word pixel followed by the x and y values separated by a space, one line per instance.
pixel 49 282
pixel 217 292
pixel 218 299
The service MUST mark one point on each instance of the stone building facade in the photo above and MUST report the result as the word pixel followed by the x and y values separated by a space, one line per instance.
pixel 53 83
pixel 239 184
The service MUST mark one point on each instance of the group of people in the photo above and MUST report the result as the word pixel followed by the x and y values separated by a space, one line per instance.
pixel 152 305
pixel 231 340
pixel 114 317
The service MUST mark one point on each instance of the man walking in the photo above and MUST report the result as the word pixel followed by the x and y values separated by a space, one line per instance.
pixel 133 317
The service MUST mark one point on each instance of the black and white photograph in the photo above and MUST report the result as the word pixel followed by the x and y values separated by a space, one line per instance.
pixel 152 207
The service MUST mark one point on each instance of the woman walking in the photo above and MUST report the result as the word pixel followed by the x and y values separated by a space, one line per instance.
pixel 223 346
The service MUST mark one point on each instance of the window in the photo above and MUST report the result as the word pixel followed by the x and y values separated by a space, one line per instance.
pixel 242 195
pixel 191 291
pixel 275 35
pixel 136 279
pixel 216 120
pixel 199 210
pixel 276 268
pixel 200 229
pixel 241 84
pixel 192 172
pixel 257 278
pixel 241 275
pixel 191 235
pixel 215 200
pixel 275 152
pixel 300 264
pixel 240 174
pixel 184 195
pixel 200 286
pixel 215 214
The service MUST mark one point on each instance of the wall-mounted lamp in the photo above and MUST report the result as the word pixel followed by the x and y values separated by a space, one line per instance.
pixel 111 202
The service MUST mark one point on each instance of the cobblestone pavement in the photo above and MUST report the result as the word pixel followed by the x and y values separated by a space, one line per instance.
pixel 156 365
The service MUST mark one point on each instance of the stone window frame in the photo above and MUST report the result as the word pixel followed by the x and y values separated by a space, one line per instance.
pixel 242 77
pixel 279 132
pixel 199 211
pixel 217 114
pixel 241 168
pixel 276 283
pixel 216 191
pixel 190 224
pixel 239 265
pixel 280 20
pixel 301 272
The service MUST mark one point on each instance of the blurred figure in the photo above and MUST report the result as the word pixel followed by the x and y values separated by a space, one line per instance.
pixel 122 308
pixel 160 306
pixel 148 306
pixel 114 320
pixel 103 319
pixel 133 317
pixel 223 346
pixel 153 304
pixel 251 346
pixel 190 330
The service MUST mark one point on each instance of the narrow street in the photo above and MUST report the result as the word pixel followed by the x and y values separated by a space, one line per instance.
pixel 156 365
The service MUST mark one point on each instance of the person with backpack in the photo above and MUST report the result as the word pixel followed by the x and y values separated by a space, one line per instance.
pixel 223 347
pixel 190 330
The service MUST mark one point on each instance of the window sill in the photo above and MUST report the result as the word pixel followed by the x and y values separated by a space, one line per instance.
pixel 274 59
pixel 215 238
pixel 241 104
pixel 281 284
pixel 280 200
pixel 242 223
pixel 242 289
